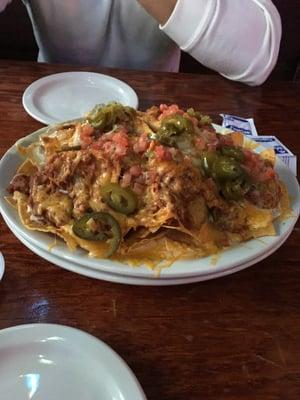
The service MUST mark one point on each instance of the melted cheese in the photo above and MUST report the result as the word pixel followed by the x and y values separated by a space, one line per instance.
pixel 258 218
pixel 57 206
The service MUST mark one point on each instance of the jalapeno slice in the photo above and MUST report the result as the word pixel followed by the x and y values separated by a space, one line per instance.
pixel 104 117
pixel 208 158
pixel 226 168
pixel 236 189
pixel 122 200
pixel 99 226
pixel 202 119
pixel 171 127
pixel 233 152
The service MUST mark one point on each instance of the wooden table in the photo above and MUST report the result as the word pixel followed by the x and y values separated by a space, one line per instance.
pixel 233 338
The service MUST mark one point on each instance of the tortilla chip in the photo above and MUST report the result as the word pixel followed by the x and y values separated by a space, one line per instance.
pixel 237 138
pixel 153 251
pixel 27 168
pixel 269 154
pixel 11 201
pixel 33 153
pixel 23 151
pixel 260 220
pixel 269 230
pixel 34 225
pixel 285 203
pixel 250 144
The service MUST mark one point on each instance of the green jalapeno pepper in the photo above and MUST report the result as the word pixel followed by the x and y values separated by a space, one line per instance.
pixel 202 119
pixel 208 158
pixel 171 127
pixel 104 117
pixel 119 199
pixel 233 152
pixel 226 168
pixel 235 189
pixel 99 226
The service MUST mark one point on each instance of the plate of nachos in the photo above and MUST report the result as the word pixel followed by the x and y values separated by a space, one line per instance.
pixel 161 193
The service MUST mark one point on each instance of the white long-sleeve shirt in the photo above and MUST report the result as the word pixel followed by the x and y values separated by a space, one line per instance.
pixel 238 38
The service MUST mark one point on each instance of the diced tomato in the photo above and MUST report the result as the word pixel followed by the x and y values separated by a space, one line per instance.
pixel 133 175
pixel 138 188
pixel 142 144
pixel 108 147
pixel 257 168
pixel 163 107
pixel 135 170
pixel 200 143
pixel 207 139
pixel 162 153
pixel 169 110
pixel 253 160
pixel 250 156
pixel 114 145
pixel 120 139
pixel 97 145
pixel 225 140
pixel 126 180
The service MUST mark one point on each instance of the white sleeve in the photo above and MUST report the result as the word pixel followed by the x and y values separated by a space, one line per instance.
pixel 3 4
pixel 238 38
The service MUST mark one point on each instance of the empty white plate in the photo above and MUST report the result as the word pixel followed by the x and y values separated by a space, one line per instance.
pixel 46 362
pixel 69 95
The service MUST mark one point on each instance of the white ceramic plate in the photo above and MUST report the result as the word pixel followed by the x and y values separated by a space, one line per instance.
pixel 69 95
pixel 202 268
pixel 1 265
pixel 46 362
pixel 133 280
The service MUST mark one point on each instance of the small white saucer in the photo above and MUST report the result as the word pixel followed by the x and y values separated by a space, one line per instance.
pixel 46 362
pixel 69 95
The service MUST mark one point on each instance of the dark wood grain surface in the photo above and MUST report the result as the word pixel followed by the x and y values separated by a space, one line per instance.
pixel 233 338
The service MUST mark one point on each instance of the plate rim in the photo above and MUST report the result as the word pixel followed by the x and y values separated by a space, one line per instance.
pixel 36 114
pixel 75 335
pixel 134 280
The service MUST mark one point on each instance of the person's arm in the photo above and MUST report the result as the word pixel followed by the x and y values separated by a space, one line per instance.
pixel 160 10
pixel 3 4
pixel 238 38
